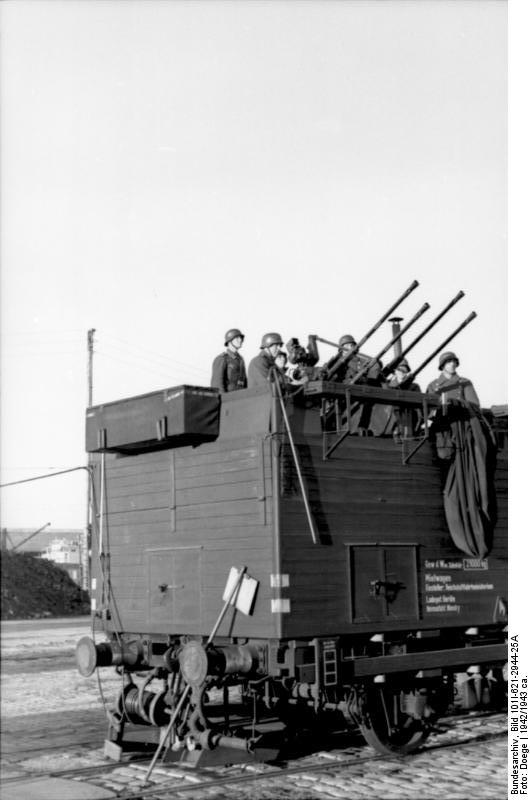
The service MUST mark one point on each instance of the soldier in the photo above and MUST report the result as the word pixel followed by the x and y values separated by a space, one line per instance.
pixel 281 365
pixel 281 361
pixel 260 367
pixel 346 345
pixel 228 368
pixel 400 374
pixel 402 422
pixel 450 385
pixel 302 360
pixel 347 370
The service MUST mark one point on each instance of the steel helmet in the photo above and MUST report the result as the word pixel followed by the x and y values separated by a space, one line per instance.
pixel 233 333
pixel 404 365
pixel 445 357
pixel 270 339
pixel 347 339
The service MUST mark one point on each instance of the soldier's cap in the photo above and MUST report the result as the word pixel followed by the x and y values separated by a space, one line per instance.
pixel 445 357
pixel 403 365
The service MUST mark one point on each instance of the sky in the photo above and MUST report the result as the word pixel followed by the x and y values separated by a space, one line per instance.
pixel 170 170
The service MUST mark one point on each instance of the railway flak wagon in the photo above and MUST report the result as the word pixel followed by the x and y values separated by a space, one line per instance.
pixel 275 556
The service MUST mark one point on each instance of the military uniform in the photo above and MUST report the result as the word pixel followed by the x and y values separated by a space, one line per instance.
pixel 258 369
pixel 348 370
pixel 340 374
pixel 228 372
pixel 372 376
pixel 454 388
pixel 393 383
pixel 402 421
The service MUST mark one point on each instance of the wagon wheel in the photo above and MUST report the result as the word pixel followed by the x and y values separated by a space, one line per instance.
pixel 386 727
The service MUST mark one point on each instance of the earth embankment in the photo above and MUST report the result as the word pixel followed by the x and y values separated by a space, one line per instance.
pixel 34 587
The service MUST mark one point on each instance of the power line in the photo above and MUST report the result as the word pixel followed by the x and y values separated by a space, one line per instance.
pixel 40 334
pixel 128 363
pixel 34 352
pixel 40 477
pixel 151 354
pixel 153 370
pixel 152 360
pixel 28 467
pixel 29 347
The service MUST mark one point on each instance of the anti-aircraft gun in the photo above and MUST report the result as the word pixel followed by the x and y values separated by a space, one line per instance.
pixel 356 593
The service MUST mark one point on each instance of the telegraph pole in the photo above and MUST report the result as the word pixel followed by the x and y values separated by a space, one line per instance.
pixel 86 542
pixel 90 344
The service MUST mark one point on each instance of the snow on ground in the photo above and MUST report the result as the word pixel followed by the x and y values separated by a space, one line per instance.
pixel 23 694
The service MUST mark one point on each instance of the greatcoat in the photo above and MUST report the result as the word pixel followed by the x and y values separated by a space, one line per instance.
pixel 228 372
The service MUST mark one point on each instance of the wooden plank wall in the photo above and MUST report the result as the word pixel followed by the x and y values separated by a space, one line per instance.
pixel 216 497
pixel 364 495
pixel 185 516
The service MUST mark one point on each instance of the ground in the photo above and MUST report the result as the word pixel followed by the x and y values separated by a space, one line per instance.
pixel 35 587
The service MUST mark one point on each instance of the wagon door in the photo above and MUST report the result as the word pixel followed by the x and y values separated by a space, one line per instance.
pixel 383 580
pixel 174 593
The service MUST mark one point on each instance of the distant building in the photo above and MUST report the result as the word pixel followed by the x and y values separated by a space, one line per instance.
pixel 66 553
pixel 60 545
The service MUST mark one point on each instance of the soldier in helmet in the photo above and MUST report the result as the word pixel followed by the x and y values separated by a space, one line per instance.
pixel 260 367
pixel 402 422
pixel 400 374
pixel 228 368
pixel 346 345
pixel 347 369
pixel 450 385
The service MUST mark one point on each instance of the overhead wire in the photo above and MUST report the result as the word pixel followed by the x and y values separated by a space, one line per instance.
pixel 46 337
pixel 140 359
pixel 47 475
pixel 46 331
pixel 130 363
pixel 137 350
pixel 25 341
pixel 167 369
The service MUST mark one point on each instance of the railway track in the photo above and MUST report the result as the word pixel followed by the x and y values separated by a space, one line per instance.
pixel 464 734
pixel 335 765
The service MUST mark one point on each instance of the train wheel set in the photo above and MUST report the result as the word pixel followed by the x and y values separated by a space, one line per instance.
pixel 212 703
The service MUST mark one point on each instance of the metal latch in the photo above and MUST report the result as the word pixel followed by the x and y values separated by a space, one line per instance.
pixel 386 589
pixel 165 586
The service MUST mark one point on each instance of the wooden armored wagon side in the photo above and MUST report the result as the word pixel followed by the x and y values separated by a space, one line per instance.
pixel 353 573
pixel 175 521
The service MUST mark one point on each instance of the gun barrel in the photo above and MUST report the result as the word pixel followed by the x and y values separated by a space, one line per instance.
pixel 373 329
pixel 392 308
pixel 395 361
pixel 376 358
pixel 461 327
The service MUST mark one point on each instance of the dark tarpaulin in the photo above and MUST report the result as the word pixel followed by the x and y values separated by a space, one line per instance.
pixel 469 493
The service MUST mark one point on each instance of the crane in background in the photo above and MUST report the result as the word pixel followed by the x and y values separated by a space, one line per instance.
pixel 6 536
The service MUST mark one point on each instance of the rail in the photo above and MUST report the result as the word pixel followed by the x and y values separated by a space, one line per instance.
pixel 347 399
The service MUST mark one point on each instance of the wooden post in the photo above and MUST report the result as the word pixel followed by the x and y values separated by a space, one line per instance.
pixel 86 537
